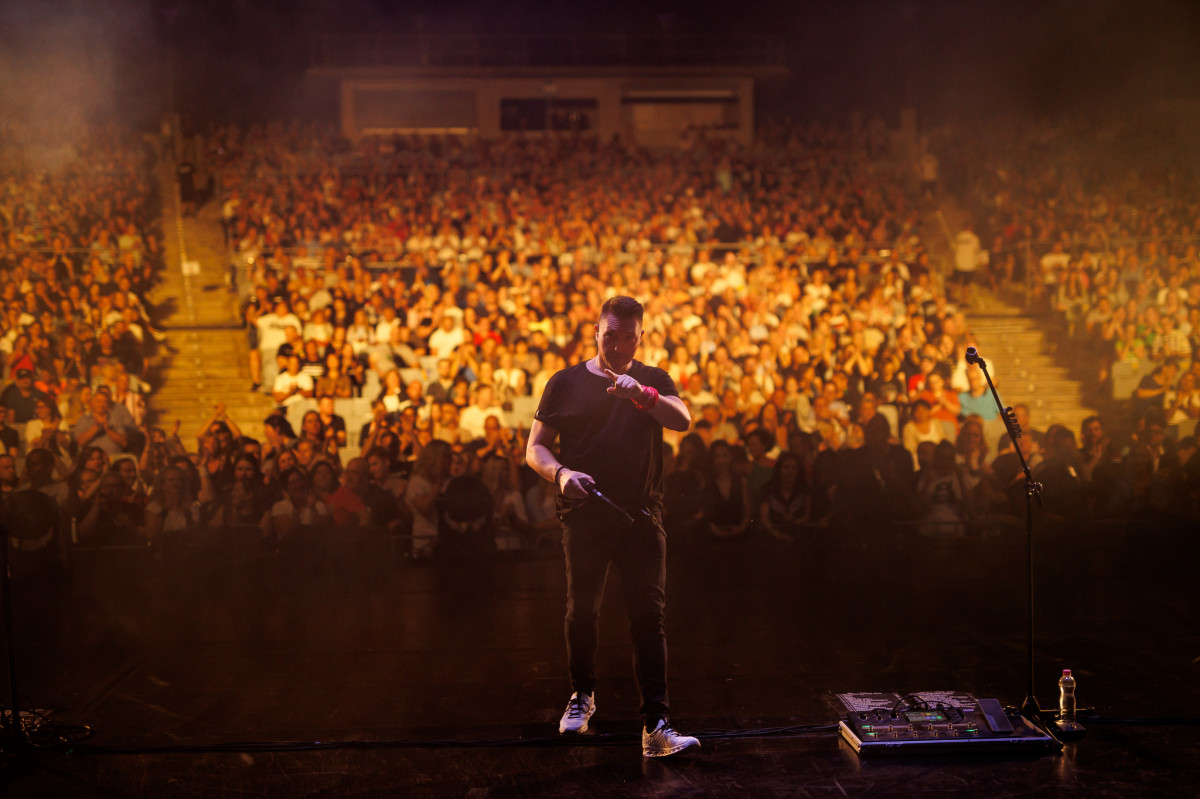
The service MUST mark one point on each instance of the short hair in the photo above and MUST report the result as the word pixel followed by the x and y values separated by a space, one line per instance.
pixel 767 440
pixel 378 452
pixel 622 307
pixel 881 423
pixel 296 471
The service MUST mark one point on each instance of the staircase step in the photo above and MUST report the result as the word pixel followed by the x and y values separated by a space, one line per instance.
pixel 1026 369
pixel 208 363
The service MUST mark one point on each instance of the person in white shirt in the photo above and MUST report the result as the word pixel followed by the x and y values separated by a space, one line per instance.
pixel 292 385
pixel 272 329
pixel 383 330
pixel 272 334
pixel 446 339
pixel 966 261
pixel 471 420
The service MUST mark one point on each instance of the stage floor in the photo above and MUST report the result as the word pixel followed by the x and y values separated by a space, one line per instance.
pixel 447 679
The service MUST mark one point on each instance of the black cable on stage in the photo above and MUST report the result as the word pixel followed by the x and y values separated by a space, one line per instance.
pixel 1165 722
pixel 610 739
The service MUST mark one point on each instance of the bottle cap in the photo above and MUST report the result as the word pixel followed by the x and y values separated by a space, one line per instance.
pixel 1066 672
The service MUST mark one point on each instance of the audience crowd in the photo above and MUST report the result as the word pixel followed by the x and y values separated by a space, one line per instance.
pixel 441 282
pixel 78 252
pixel 1102 221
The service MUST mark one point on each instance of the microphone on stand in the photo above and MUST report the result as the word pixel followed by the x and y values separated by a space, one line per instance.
pixel 973 357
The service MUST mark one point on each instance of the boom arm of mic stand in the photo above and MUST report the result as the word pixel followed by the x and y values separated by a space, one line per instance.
pixel 1014 432
pixel 1029 707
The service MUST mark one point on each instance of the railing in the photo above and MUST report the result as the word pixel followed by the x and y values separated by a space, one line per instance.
pixel 366 545
pixel 313 257
pixel 591 50
pixel 86 253
pixel 1031 251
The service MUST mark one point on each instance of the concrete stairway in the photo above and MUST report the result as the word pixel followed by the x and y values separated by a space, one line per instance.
pixel 1022 360
pixel 208 362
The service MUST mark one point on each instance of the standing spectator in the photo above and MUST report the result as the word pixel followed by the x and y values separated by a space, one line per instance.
pixel 967 254
pixel 106 426
pixel 465 513
pixel 758 445
pixel 39 476
pixel 20 396
pixel 10 439
pixel 499 474
pixel 786 500
pixel 942 496
pixel 684 488
pixel 246 501
pixel 383 508
pixel 299 508
pixel 430 475
pixel 8 475
pixel 133 490
pixel 172 509
pixel 381 466
pixel 728 509
pixel 875 480
pixel 344 504
pixel 109 520
pixel 972 452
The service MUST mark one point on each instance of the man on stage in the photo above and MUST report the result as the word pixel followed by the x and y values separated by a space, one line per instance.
pixel 609 413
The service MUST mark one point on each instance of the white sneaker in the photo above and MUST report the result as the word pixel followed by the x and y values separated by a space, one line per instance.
pixel 579 711
pixel 664 741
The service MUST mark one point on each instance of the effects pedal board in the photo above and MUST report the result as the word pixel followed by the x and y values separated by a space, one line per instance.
pixel 936 722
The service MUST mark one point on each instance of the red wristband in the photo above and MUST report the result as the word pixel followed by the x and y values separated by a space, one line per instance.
pixel 649 398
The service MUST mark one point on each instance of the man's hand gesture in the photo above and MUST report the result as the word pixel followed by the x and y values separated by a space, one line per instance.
pixel 624 386
pixel 573 484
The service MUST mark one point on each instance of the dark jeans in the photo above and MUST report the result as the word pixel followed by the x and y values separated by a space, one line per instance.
pixel 593 538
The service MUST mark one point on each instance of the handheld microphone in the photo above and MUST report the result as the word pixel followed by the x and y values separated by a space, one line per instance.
pixel 595 492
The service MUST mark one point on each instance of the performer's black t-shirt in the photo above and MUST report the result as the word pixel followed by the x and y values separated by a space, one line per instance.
pixel 608 438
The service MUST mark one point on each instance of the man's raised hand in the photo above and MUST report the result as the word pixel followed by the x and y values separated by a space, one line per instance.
pixel 624 386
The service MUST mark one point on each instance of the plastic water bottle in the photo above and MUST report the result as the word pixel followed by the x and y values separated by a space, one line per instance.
pixel 1066 704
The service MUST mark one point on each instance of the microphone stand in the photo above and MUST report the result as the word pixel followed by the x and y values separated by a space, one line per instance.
pixel 1033 490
